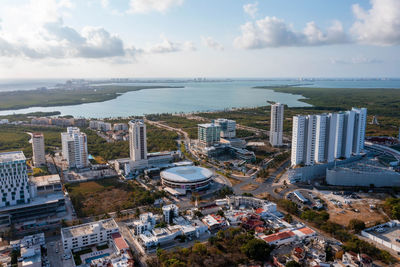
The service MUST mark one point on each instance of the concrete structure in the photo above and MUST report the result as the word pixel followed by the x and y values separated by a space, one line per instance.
pixel 186 178
pixel 385 234
pixel 309 173
pixel 84 235
pixel 208 134
pixel 47 184
pixel 228 128
pixel 170 212
pixel 39 155
pixel 13 179
pixel 363 173
pixel 326 137
pixel 74 148
pixel 138 142
pixel 276 127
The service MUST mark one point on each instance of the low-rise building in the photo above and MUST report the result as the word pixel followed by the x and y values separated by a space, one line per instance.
pixel 170 212
pixel 83 235
pixel 214 222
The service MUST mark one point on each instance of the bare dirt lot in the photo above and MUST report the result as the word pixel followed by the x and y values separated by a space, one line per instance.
pixel 341 210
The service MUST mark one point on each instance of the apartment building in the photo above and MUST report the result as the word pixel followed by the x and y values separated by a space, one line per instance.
pixel 228 128
pixel 39 155
pixel 326 137
pixel 74 148
pixel 209 134
pixel 276 127
pixel 84 235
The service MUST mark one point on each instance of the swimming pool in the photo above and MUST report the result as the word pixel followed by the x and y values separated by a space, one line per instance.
pixel 89 260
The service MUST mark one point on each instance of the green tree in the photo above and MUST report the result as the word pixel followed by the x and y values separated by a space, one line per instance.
pixel 257 249
pixel 293 264
pixel 356 225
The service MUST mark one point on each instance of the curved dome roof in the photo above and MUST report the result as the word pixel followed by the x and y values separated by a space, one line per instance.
pixel 186 174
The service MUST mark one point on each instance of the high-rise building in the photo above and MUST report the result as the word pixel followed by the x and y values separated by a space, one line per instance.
pixel 39 156
pixel 298 140
pixel 137 140
pixel 74 148
pixel 276 129
pixel 228 128
pixel 208 134
pixel 360 125
pixel 326 137
pixel 14 185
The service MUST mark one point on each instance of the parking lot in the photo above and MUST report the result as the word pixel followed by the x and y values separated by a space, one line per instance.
pixel 389 234
pixel 55 254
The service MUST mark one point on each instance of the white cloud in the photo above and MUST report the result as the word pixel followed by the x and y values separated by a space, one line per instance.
pixel 42 34
pixel 211 43
pixel 167 46
pixel 379 25
pixel 274 32
pixel 104 3
pixel 360 60
pixel 146 6
pixel 251 9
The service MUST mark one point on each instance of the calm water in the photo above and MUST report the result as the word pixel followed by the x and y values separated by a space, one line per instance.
pixel 204 96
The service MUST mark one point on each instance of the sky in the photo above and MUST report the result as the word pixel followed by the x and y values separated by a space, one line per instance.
pixel 199 38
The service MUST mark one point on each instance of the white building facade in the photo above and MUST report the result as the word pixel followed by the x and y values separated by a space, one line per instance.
pixel 276 127
pixel 14 185
pixel 84 235
pixel 326 137
pixel 137 141
pixel 74 148
pixel 39 156
pixel 209 134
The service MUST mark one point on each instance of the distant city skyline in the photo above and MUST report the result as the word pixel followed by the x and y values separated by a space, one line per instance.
pixel 189 38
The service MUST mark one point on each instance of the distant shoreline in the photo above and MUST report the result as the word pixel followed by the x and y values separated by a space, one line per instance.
pixel 21 99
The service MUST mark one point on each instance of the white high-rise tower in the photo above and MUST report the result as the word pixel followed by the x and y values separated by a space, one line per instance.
pixel 324 138
pixel 276 127
pixel 137 140
pixel 74 148
pixel 39 156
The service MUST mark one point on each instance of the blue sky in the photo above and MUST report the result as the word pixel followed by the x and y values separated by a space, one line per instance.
pixel 199 38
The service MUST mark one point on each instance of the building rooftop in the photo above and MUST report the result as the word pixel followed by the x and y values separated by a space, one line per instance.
pixel 38 200
pixel 89 228
pixel 37 135
pixel 278 236
pixel 186 174
pixel 12 156
pixel 46 180
pixel 206 125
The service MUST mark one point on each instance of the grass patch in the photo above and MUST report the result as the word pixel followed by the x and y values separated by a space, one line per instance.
pixel 102 247
pixel 77 255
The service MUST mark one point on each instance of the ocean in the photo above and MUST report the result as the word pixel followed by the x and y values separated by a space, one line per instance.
pixel 194 97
